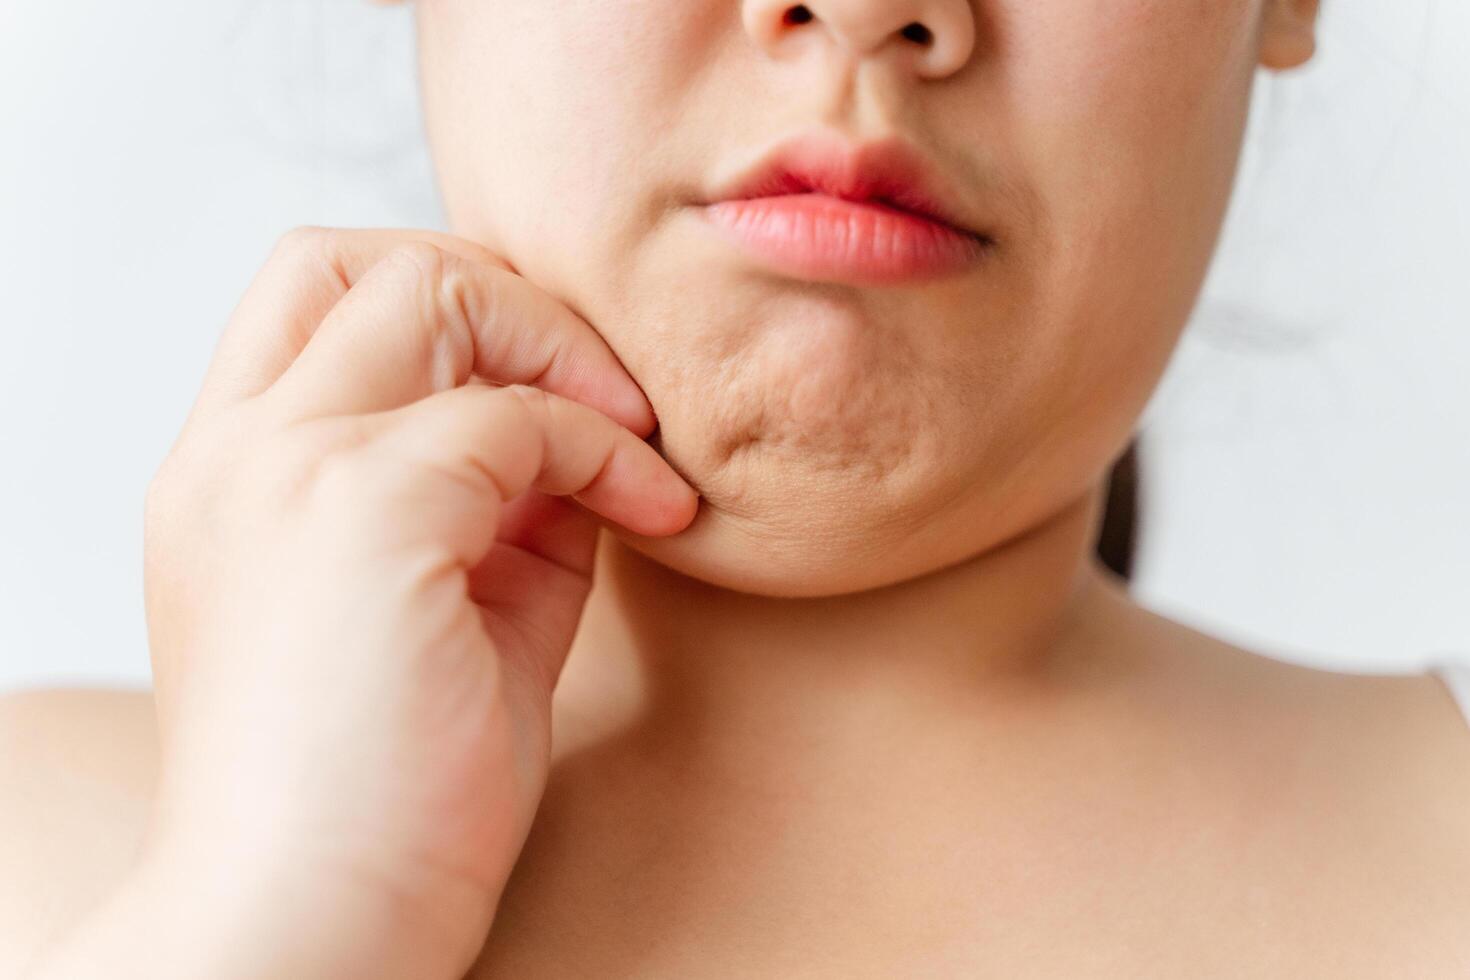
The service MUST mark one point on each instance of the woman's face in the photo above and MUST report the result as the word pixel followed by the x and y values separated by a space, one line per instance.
pixel 848 435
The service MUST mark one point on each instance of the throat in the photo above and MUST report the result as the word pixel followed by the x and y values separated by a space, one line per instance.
pixel 694 668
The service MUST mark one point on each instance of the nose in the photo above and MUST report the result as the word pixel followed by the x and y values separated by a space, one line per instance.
pixel 934 38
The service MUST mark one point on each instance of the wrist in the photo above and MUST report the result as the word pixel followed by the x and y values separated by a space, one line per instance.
pixel 248 920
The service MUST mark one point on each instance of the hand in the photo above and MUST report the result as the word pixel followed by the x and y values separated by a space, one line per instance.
pixel 362 578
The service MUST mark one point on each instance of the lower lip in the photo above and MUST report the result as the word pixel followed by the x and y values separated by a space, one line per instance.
pixel 817 236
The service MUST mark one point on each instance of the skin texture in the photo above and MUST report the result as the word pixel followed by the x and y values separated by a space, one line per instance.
pixel 876 711
pixel 844 438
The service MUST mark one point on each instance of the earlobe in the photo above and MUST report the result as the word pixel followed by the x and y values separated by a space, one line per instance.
pixel 1288 33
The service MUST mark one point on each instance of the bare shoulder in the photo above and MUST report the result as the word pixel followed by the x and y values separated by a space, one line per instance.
pixel 1405 728
pixel 1378 767
pixel 1398 734
pixel 77 769
pixel 1352 784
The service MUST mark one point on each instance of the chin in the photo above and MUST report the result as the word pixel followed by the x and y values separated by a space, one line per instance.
pixel 809 510
pixel 742 556
pixel 775 523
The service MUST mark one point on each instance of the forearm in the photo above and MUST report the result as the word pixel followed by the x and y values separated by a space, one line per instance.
pixel 170 923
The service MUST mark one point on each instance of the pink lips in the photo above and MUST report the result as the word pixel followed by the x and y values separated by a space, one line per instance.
pixel 817 236
pixel 824 207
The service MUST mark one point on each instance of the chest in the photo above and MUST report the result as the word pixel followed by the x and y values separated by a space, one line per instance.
pixel 1183 906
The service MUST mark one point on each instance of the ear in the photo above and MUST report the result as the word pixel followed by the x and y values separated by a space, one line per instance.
pixel 1288 33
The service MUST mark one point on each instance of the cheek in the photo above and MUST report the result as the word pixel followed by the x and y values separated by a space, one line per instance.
pixel 1126 108
pixel 1128 116
pixel 532 103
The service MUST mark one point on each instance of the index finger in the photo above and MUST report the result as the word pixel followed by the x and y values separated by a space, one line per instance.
pixel 313 269
pixel 307 272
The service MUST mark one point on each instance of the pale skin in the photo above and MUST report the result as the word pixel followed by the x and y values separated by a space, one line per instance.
pixel 839 689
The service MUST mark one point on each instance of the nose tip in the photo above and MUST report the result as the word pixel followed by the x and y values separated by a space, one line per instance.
pixel 935 37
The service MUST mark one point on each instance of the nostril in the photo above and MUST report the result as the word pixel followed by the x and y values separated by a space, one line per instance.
pixel 913 31
pixel 917 33
pixel 798 14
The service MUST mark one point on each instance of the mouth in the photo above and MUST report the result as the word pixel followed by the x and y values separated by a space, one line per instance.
pixel 822 208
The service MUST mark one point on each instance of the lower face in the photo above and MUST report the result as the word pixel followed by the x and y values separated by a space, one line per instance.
pixel 848 436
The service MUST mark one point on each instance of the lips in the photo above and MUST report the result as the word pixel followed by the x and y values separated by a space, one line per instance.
pixel 822 208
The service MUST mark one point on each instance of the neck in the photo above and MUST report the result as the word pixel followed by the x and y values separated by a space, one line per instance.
pixel 713 667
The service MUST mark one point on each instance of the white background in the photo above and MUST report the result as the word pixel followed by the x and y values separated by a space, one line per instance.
pixel 1308 454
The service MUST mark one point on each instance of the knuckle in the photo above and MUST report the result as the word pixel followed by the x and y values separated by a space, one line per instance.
pixel 460 306
pixel 303 242
pixel 345 489
pixel 420 260
pixel 348 462
pixel 453 298
pixel 472 296
pixel 313 250
pixel 336 477
pixel 307 458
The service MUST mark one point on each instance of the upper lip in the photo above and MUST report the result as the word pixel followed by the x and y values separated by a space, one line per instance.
pixel 887 171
